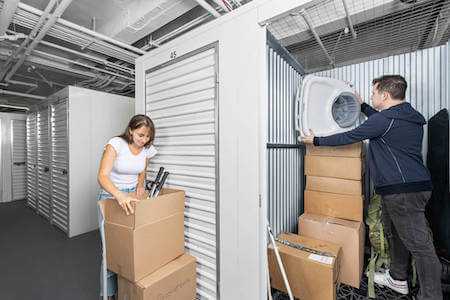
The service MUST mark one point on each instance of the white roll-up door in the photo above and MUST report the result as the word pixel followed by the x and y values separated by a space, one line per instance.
pixel 60 165
pixel 181 99
pixel 31 187
pixel 43 156
pixel 18 147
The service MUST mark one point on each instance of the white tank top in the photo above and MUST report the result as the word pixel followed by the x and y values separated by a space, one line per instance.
pixel 127 166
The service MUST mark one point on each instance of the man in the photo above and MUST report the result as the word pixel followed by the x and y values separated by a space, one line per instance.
pixel 395 131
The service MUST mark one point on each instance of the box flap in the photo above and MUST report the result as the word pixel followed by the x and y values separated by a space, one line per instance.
pixel 146 211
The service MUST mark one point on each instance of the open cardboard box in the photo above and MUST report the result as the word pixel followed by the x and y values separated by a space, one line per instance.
pixel 140 243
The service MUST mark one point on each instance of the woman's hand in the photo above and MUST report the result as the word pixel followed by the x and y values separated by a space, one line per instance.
pixel 125 201
pixel 140 192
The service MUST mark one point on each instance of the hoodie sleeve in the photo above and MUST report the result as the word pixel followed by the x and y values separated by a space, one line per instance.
pixel 367 109
pixel 373 127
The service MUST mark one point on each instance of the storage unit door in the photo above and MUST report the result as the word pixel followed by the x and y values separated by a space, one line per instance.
pixel 181 100
pixel 43 155
pixel 60 165
pixel 19 153
pixel 31 187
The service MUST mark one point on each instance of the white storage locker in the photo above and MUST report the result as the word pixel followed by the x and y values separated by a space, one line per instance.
pixel 43 163
pixel 31 185
pixel 12 156
pixel 71 131
pixel 60 164
pixel 18 130
pixel 181 100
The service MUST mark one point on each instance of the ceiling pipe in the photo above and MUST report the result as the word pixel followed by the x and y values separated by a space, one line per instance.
pixel 86 56
pixel 222 5
pixel 11 93
pixel 17 82
pixel 349 20
pixel 33 32
pixel 15 107
pixel 51 21
pixel 305 16
pixel 208 7
pixel 9 7
pixel 85 30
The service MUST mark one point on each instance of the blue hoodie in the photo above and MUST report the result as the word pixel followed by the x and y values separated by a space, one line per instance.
pixel 395 148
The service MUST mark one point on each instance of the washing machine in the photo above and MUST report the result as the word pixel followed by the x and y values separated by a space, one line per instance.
pixel 325 106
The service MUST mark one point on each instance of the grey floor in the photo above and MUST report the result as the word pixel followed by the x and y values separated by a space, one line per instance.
pixel 39 262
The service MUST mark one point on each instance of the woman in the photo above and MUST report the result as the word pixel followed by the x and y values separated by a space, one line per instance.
pixel 121 176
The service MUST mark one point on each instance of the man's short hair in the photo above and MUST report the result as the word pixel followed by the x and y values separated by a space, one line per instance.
pixel 395 85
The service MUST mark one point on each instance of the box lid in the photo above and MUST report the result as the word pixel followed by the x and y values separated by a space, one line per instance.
pixel 352 150
pixel 313 244
pixel 146 211
pixel 166 271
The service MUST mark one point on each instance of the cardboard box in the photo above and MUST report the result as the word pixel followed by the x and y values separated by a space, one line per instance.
pixel 310 276
pixel 139 244
pixel 353 150
pixel 348 234
pixel 174 281
pixel 336 167
pixel 348 207
pixel 334 185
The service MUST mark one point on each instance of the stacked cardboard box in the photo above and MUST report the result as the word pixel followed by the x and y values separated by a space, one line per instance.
pixel 146 249
pixel 334 204
pixel 312 275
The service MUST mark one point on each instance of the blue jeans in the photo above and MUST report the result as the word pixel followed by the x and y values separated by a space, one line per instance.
pixel 106 275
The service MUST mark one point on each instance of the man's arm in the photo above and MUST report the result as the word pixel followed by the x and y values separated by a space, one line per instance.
pixel 367 109
pixel 371 128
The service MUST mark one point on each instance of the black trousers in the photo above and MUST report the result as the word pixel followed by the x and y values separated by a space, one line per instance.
pixel 408 234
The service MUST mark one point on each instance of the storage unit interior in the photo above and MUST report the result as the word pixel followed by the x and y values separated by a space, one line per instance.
pixel 222 99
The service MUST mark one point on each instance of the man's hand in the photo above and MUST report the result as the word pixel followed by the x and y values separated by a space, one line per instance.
pixel 308 139
pixel 358 97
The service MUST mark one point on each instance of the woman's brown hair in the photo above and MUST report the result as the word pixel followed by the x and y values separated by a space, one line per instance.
pixel 137 122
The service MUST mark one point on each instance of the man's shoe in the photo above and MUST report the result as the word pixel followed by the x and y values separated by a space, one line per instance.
pixel 385 279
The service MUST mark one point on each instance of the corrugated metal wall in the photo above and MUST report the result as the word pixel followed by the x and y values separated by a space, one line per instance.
pixel 285 172
pixel 426 71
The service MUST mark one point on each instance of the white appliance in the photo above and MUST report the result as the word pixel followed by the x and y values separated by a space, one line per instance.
pixel 325 106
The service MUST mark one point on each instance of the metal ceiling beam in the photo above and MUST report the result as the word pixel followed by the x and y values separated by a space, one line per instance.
pixel 51 21
pixel 11 93
pixel 9 7
pixel 208 7
pixel 349 20
pixel 305 16
pixel 14 107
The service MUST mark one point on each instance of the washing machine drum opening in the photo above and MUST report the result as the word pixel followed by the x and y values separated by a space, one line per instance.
pixel 345 110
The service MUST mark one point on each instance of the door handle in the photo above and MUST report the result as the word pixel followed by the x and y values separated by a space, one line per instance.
pixel 22 163
pixel 64 172
pixel 46 169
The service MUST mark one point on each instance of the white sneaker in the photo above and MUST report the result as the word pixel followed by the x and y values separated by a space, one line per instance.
pixel 385 279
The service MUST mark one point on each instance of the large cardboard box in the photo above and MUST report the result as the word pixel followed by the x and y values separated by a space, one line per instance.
pixel 336 167
pixel 349 207
pixel 139 244
pixel 348 234
pixel 353 150
pixel 310 276
pixel 334 185
pixel 174 281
